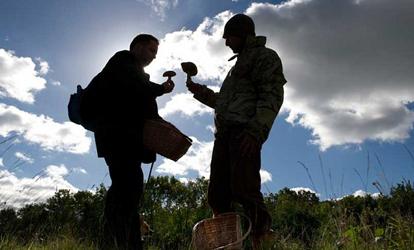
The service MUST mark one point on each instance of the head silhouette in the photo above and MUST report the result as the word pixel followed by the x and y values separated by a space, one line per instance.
pixel 145 48
pixel 236 30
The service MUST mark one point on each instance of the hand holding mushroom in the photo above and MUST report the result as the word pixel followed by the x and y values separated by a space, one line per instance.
pixel 191 70
pixel 169 84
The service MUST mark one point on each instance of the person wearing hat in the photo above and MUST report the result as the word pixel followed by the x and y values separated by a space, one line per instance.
pixel 245 108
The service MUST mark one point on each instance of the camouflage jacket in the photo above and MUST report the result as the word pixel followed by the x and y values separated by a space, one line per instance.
pixel 252 93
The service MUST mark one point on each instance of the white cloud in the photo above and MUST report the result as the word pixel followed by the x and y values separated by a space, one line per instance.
pixel 183 180
pixel 56 171
pixel 299 190
pixel 42 130
pixel 17 192
pixel 44 66
pixel 79 170
pixel 56 83
pixel 1 162
pixel 19 78
pixel 185 104
pixel 211 128
pixel 265 176
pixel 23 157
pixel 348 64
pixel 160 7
pixel 362 193
pixel 204 46
pixel 196 159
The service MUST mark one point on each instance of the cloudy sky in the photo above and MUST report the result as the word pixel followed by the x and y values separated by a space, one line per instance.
pixel 346 123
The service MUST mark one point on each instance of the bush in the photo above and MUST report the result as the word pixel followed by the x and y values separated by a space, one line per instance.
pixel 301 221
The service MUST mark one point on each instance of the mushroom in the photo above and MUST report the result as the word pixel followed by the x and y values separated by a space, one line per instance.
pixel 190 69
pixel 169 74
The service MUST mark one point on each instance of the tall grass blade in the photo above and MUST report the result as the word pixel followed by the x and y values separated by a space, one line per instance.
pixel 360 177
pixel 383 172
pixel 410 153
pixel 368 168
pixel 309 176
pixel 323 175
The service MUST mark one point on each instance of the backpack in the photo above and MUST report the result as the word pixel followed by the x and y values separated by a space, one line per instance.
pixel 75 110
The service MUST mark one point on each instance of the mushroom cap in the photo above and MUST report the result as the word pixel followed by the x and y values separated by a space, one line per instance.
pixel 189 68
pixel 169 73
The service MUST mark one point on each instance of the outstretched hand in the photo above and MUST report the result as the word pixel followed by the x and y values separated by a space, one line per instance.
pixel 193 87
pixel 168 86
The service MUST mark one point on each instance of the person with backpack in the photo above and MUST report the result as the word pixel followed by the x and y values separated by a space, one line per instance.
pixel 245 108
pixel 116 103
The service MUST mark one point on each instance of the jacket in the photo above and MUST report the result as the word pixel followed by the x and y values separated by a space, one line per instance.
pixel 121 98
pixel 252 92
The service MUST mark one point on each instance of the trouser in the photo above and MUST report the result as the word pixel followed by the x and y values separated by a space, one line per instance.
pixel 121 216
pixel 236 177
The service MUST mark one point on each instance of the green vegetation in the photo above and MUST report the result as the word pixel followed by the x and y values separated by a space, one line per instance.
pixel 300 220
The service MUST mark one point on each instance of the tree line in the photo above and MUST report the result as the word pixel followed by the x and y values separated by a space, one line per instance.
pixel 171 208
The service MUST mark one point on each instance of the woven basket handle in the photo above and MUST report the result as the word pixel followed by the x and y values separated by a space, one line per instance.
pixel 243 237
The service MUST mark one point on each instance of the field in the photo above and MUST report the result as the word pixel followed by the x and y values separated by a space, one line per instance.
pixel 300 220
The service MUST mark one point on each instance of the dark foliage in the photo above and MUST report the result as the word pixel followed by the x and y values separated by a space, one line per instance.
pixel 173 208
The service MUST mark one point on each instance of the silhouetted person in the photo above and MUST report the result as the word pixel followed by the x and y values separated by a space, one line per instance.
pixel 245 108
pixel 120 98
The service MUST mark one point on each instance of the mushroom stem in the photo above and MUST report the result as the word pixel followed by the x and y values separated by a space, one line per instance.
pixel 169 74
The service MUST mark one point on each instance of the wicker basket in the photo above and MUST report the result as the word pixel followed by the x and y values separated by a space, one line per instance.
pixel 165 139
pixel 221 232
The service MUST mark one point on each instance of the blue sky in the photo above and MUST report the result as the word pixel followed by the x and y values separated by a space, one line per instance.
pixel 347 117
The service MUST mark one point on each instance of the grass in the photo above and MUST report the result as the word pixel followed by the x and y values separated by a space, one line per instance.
pixel 301 221
pixel 339 232
pixel 61 243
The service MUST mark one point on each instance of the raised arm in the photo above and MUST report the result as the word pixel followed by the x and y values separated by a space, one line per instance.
pixel 202 93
